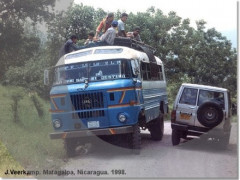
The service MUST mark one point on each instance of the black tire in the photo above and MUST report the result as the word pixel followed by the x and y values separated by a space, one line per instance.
pixel 176 137
pixel 135 139
pixel 156 128
pixel 70 147
pixel 210 114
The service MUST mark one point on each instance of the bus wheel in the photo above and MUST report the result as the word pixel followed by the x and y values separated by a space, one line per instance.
pixel 70 147
pixel 176 137
pixel 135 139
pixel 156 128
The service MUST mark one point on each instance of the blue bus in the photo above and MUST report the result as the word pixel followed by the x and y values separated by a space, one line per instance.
pixel 107 90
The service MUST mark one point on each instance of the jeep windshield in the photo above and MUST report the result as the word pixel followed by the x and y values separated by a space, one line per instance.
pixel 92 71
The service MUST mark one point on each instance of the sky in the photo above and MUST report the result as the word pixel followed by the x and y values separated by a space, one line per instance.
pixel 220 14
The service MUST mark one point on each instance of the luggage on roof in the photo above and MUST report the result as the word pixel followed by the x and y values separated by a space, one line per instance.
pixel 149 50
pixel 123 41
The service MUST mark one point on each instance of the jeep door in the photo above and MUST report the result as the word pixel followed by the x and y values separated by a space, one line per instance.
pixel 186 106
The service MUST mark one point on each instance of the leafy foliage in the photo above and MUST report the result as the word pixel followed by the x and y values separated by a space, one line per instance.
pixel 29 75
pixel 38 105
pixel 16 95
pixel 78 20
pixel 198 55
pixel 201 56
pixel 13 16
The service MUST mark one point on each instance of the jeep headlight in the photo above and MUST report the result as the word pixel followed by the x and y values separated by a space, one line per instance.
pixel 57 123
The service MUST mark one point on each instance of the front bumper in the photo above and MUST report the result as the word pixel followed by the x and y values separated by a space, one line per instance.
pixel 92 132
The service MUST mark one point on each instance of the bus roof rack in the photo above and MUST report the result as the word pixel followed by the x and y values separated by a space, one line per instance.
pixel 128 42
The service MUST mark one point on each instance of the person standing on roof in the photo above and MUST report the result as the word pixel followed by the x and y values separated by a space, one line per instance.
pixel 104 25
pixel 135 34
pixel 121 25
pixel 109 36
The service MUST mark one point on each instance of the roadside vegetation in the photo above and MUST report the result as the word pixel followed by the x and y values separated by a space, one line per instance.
pixel 27 139
pixel 7 161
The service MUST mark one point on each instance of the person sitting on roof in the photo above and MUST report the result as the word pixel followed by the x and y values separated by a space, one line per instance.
pixel 106 39
pixel 69 46
pixel 135 34
pixel 90 39
pixel 104 25
pixel 109 36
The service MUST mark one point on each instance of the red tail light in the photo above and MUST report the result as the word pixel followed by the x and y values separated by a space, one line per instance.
pixel 173 116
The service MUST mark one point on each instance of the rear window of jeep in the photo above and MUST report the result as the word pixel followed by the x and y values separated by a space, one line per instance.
pixel 205 95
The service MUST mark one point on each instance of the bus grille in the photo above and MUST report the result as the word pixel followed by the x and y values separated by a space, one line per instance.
pixel 87 101
pixel 88 114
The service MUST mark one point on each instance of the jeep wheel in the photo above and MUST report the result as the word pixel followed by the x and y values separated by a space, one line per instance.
pixel 176 137
pixel 156 128
pixel 70 147
pixel 210 114
pixel 135 139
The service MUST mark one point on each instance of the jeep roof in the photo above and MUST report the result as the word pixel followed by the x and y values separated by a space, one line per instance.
pixel 203 87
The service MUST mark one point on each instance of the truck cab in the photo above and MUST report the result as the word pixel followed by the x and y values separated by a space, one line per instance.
pixel 107 90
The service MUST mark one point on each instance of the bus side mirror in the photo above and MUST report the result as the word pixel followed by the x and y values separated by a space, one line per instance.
pixel 46 77
pixel 135 67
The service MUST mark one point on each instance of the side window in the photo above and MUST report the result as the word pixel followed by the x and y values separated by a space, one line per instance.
pixel 160 75
pixel 151 71
pixel 145 67
pixel 154 71
pixel 189 96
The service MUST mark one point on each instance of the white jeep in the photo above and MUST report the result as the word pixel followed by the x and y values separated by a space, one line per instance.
pixel 200 109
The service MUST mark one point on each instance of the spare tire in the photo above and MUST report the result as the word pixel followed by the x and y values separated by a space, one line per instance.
pixel 210 114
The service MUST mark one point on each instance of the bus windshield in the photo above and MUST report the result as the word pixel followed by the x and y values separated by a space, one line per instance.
pixel 92 71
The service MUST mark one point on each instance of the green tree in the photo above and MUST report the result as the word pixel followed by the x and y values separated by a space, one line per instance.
pixel 155 28
pixel 18 48
pixel 30 74
pixel 78 20
pixel 205 56
pixel 198 55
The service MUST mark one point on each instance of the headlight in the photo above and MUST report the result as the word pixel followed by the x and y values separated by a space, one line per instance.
pixel 122 117
pixel 57 123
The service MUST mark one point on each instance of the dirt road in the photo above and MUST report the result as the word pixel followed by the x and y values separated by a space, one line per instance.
pixel 195 158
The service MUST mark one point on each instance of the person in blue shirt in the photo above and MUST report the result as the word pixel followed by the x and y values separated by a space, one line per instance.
pixel 70 45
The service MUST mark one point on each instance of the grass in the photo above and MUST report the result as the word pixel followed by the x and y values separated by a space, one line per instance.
pixel 7 161
pixel 28 141
pixel 235 118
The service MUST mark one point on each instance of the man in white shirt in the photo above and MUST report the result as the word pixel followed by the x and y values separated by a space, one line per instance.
pixel 121 25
